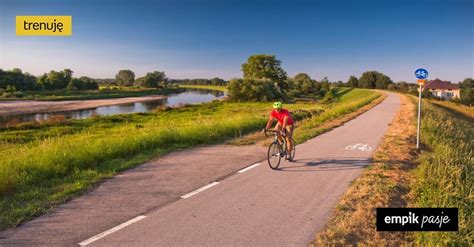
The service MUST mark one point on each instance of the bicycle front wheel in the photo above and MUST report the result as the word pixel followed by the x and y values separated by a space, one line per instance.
pixel 274 155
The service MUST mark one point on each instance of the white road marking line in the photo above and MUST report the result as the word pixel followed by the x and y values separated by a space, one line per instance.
pixel 112 230
pixel 199 190
pixel 248 168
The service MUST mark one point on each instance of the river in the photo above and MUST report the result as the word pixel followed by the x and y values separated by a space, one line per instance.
pixel 190 96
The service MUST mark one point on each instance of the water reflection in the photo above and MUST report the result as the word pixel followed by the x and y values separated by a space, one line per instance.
pixel 190 96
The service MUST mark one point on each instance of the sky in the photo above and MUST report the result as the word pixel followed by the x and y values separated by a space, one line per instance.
pixel 205 39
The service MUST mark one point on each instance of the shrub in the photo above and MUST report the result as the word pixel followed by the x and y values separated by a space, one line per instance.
pixel 18 94
pixel 329 95
pixel 253 90
pixel 10 89
pixel 82 83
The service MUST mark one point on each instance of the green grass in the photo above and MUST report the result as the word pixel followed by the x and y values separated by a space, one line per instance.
pixel 446 171
pixel 463 110
pixel 103 93
pixel 46 164
pixel 347 101
pixel 210 87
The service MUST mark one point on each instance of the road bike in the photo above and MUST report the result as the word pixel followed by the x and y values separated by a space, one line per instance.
pixel 277 149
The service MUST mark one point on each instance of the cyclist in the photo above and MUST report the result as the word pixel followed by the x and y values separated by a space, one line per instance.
pixel 285 124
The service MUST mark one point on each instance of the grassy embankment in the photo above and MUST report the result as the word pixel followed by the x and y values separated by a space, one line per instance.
pixel 445 175
pixel 103 93
pixel 210 87
pixel 438 176
pixel 46 164
pixel 465 111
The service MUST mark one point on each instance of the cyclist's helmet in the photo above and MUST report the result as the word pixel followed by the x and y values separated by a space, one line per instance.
pixel 277 105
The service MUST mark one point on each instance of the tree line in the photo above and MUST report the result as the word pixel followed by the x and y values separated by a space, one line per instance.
pixel 158 79
pixel 155 79
pixel 265 80
pixel 216 81
pixel 15 80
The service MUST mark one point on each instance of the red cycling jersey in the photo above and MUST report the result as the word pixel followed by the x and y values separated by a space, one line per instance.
pixel 280 115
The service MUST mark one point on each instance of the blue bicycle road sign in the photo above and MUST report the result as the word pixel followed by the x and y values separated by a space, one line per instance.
pixel 421 73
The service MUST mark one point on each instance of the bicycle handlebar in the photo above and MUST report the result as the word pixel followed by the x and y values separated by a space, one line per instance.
pixel 271 131
pixel 266 131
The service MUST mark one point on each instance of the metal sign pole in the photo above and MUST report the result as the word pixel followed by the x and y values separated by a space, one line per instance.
pixel 421 74
pixel 419 120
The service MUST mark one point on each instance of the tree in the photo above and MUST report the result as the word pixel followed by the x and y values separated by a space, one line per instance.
pixel 468 82
pixel 325 84
pixel 154 79
pixel 467 91
pixel 82 83
pixel 353 82
pixel 89 83
pixel 374 79
pixel 402 86
pixel 74 84
pixel 382 81
pixel 43 81
pixel 303 83
pixel 125 77
pixel 368 79
pixel 29 82
pixel 67 75
pixel 15 77
pixel 427 94
pixel 302 77
pixel 55 79
pixel 253 90
pixel 216 81
pixel 262 66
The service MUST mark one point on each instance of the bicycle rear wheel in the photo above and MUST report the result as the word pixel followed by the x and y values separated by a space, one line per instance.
pixel 274 155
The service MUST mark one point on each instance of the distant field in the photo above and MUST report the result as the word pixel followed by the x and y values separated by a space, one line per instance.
pixel 45 164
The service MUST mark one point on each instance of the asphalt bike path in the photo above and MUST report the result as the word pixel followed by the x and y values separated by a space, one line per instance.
pixel 131 193
pixel 202 196
pixel 264 207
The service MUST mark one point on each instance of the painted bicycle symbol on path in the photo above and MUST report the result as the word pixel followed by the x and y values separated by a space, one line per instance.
pixel 360 147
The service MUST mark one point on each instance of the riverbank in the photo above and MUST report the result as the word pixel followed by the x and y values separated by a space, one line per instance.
pixel 33 106
pixel 102 93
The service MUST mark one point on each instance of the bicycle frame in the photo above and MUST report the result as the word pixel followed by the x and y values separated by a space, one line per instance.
pixel 282 146
pixel 278 149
